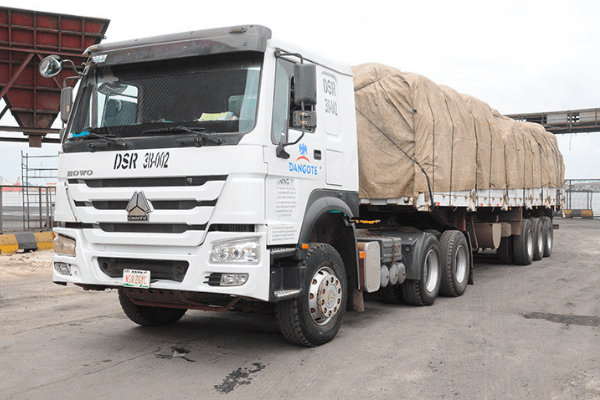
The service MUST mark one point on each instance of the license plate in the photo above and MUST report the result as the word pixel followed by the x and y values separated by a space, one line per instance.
pixel 136 278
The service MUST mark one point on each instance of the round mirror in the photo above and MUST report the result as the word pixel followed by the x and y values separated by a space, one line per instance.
pixel 50 66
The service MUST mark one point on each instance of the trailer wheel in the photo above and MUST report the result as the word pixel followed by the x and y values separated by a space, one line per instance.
pixel 538 238
pixel 149 316
pixel 548 235
pixel 315 317
pixel 424 291
pixel 456 263
pixel 523 244
pixel 505 251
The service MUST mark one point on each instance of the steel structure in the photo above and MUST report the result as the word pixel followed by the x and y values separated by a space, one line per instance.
pixel 26 37
pixel 561 122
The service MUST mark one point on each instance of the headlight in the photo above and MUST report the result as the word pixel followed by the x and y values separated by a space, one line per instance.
pixel 236 251
pixel 64 246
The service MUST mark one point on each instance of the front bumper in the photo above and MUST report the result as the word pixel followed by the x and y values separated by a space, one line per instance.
pixel 85 268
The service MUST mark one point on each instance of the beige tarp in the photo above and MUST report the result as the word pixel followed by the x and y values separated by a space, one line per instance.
pixel 407 124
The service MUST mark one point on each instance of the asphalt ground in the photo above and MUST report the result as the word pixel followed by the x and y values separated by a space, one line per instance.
pixel 518 332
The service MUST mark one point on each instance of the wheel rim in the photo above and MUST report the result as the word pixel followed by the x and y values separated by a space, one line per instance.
pixel 540 240
pixel 529 243
pixel 549 239
pixel 431 270
pixel 461 264
pixel 325 296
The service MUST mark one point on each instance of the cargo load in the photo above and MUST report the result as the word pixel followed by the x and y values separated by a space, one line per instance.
pixel 417 139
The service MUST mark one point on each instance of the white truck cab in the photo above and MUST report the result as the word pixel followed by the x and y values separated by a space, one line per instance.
pixel 197 168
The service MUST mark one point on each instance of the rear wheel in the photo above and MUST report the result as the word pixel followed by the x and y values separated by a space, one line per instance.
pixel 391 294
pixel 538 238
pixel 424 291
pixel 315 317
pixel 505 251
pixel 149 316
pixel 523 244
pixel 456 263
pixel 548 235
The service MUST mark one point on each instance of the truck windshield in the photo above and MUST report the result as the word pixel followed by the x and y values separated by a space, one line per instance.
pixel 217 93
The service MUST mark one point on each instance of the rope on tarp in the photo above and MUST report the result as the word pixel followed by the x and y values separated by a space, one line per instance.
pixel 406 154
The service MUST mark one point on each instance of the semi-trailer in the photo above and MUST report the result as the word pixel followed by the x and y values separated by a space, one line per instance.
pixel 221 169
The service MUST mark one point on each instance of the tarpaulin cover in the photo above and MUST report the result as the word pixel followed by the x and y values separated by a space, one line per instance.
pixel 407 124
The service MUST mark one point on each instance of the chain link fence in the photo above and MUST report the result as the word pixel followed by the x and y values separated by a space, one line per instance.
pixel 26 208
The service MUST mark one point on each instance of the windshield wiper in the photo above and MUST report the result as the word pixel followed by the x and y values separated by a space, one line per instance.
pixel 198 139
pixel 109 138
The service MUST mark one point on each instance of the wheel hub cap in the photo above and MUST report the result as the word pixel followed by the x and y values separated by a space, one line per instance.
pixel 325 296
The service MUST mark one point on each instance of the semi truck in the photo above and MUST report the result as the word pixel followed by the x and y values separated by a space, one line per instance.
pixel 221 169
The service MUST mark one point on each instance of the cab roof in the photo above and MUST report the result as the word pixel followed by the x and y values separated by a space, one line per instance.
pixel 185 44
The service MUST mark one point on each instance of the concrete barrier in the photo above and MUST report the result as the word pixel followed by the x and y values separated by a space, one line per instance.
pixel 579 213
pixel 26 241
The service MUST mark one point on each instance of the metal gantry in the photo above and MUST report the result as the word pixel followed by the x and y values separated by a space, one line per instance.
pixel 26 37
pixel 562 122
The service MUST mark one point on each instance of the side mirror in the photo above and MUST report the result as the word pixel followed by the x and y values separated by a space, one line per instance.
pixel 305 92
pixel 66 101
pixel 305 84
pixel 50 66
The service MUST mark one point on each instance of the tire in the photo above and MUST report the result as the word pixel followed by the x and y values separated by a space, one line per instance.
pixel 424 291
pixel 548 235
pixel 315 317
pixel 391 294
pixel 505 251
pixel 523 244
pixel 149 316
pixel 434 232
pixel 538 238
pixel 456 263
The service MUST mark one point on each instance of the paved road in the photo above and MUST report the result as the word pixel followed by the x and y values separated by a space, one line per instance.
pixel 519 332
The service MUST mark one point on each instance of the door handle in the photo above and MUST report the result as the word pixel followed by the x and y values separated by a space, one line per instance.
pixel 317 154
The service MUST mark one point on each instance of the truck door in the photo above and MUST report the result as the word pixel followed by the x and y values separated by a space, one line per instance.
pixel 290 180
pixel 328 91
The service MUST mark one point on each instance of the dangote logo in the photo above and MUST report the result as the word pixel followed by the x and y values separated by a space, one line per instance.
pixel 305 169
pixel 303 152
pixel 139 207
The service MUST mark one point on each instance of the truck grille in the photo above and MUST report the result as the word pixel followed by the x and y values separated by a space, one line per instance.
pixel 181 209
pixel 150 182
pixel 158 205
pixel 151 228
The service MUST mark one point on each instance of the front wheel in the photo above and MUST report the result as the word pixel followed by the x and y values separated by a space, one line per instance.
pixel 149 316
pixel 315 317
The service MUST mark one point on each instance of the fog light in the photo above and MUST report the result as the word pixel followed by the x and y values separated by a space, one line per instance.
pixel 62 268
pixel 233 279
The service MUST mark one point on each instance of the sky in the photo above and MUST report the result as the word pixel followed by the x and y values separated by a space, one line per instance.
pixel 518 56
